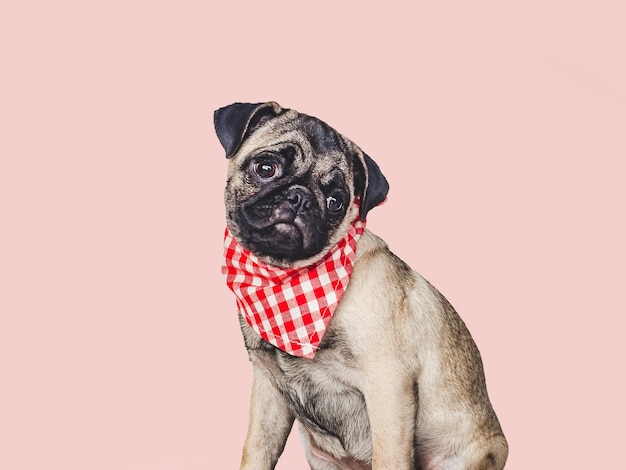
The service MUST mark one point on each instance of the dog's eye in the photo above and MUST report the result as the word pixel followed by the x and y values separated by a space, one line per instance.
pixel 334 203
pixel 266 169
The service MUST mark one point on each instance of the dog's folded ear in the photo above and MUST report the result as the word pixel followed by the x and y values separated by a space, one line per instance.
pixel 370 184
pixel 235 122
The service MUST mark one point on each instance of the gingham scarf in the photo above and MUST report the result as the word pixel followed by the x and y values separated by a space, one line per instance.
pixel 290 308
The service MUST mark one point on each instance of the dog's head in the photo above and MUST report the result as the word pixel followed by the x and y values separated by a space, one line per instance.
pixel 294 184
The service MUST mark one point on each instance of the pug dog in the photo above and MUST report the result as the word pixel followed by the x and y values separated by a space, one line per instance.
pixel 396 381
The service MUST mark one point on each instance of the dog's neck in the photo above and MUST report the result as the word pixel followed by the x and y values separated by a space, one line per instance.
pixel 290 307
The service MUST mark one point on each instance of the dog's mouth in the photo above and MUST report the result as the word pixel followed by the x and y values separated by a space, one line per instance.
pixel 281 240
pixel 283 235
pixel 286 241
pixel 286 225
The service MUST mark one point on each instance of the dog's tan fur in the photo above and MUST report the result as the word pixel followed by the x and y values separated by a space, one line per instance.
pixel 402 335
pixel 397 383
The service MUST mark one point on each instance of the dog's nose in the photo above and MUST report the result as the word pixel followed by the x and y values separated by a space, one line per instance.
pixel 299 199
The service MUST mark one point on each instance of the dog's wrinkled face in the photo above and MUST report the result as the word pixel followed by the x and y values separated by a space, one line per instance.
pixel 292 182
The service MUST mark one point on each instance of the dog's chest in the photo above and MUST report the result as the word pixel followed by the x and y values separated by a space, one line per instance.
pixel 324 393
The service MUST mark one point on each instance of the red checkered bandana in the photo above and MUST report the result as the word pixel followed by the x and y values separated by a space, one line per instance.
pixel 290 308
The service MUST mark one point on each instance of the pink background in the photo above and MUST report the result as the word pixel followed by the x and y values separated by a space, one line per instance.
pixel 501 130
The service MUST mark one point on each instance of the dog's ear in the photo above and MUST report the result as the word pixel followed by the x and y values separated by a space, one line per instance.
pixel 235 122
pixel 370 184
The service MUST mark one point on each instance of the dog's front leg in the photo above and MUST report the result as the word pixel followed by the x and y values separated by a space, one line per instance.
pixel 269 425
pixel 391 406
